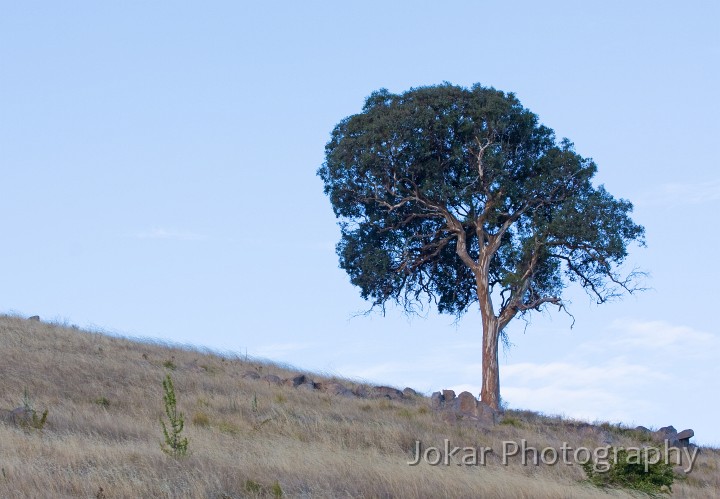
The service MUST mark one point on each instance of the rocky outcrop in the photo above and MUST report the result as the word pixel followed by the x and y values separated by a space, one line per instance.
pixel 303 382
pixel 463 407
pixel 669 433
pixel 334 388
pixel 387 392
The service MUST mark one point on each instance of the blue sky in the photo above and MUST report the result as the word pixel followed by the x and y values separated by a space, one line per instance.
pixel 158 159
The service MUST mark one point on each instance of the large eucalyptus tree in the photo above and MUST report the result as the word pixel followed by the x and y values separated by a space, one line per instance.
pixel 456 196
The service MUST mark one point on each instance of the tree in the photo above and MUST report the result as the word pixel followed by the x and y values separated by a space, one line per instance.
pixel 456 196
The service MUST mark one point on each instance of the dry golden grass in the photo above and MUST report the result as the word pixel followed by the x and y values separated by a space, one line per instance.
pixel 104 396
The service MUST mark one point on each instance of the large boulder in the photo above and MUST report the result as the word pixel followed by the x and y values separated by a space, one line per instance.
pixel 486 414
pixel 448 396
pixel 386 392
pixel 668 433
pixel 437 400
pixel 298 380
pixel 684 437
pixel 465 404
pixel 409 393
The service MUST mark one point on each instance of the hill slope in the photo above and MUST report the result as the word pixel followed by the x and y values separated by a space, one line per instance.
pixel 251 437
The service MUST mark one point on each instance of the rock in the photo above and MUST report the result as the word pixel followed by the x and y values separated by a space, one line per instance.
pixel 335 388
pixel 465 403
pixel 448 396
pixel 684 437
pixel 272 379
pixel 486 414
pixel 250 375
pixel 20 415
pixel 668 433
pixel 386 392
pixel 296 381
pixel 642 429
pixel 463 407
pixel 34 318
pixel 409 393
pixel 436 400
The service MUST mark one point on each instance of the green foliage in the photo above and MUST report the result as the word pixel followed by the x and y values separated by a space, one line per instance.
pixel 276 490
pixel 175 445
pixel 253 487
pixel 30 419
pixel 102 402
pixel 511 421
pixel 170 364
pixel 427 182
pixel 634 434
pixel 257 489
pixel 629 471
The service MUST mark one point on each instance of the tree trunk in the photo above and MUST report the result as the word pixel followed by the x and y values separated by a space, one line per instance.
pixel 490 393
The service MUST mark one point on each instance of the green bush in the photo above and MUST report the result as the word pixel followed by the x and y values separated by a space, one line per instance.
pixel 511 421
pixel 102 402
pixel 174 445
pixel 30 419
pixel 631 471
pixel 259 490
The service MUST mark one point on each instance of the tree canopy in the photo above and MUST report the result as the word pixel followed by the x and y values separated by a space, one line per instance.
pixel 458 196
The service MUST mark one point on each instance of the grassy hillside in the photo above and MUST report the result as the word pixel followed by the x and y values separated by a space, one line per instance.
pixel 250 437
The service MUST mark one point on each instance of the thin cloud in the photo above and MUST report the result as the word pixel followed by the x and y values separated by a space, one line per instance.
pixel 673 194
pixel 579 375
pixel 661 334
pixel 169 234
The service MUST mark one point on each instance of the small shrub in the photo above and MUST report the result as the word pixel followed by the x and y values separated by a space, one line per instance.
pixel 253 487
pixel 511 421
pixel 276 490
pixel 170 364
pixel 201 419
pixel 30 419
pixel 174 445
pixel 628 471
pixel 257 489
pixel 102 402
